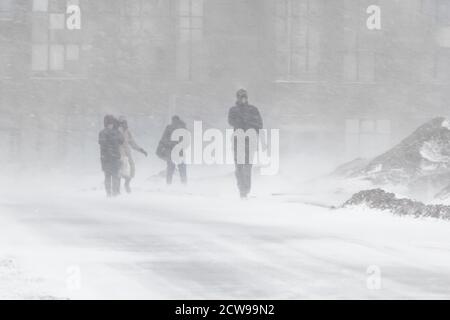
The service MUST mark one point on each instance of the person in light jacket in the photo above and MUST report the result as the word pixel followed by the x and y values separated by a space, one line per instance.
pixel 128 171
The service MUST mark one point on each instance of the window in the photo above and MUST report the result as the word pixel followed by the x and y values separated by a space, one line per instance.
pixel 442 65
pixel 359 66
pixel 443 12
pixel 437 11
pixel 39 57
pixel 359 52
pixel 57 21
pixel 57 57
pixel 40 5
pixel 72 52
pixel 190 33
pixel 298 41
pixel 55 51
pixel 6 10
pixel 145 32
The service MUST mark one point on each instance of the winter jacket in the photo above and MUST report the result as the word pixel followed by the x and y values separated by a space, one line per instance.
pixel 245 117
pixel 129 143
pixel 110 141
pixel 166 144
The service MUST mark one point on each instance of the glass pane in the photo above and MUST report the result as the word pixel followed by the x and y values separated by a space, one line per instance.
pixel 185 22
pixel 56 57
pixel 6 9
pixel 197 8
pixel 133 7
pixel 57 5
pixel 57 21
pixel 366 66
pixel 39 57
pixel 197 35
pixel 40 28
pixel 282 64
pixel 281 8
pixel 352 126
pixel 184 7
pixel 298 63
pixel 197 23
pixel 183 63
pixel 185 36
pixel 384 126
pixel 72 52
pixel 349 67
pixel 40 5
pixel 368 126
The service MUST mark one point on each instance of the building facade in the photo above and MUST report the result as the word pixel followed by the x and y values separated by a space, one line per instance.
pixel 313 67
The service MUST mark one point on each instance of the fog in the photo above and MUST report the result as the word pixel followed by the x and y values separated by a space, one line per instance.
pixel 313 68
pixel 340 80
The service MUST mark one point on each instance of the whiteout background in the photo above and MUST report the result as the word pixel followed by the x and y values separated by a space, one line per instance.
pixel 336 88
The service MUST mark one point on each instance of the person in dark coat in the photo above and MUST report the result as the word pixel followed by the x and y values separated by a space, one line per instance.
pixel 111 140
pixel 245 117
pixel 165 147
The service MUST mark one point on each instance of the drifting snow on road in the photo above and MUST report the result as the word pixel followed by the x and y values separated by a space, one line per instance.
pixel 166 244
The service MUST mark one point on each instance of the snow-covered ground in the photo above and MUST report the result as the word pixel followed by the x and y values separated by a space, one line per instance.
pixel 63 239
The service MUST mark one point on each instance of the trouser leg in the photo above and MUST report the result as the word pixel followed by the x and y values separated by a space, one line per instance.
pixel 132 167
pixel 169 172
pixel 108 183
pixel 183 174
pixel 243 157
pixel 132 173
pixel 115 183
pixel 247 177
pixel 240 179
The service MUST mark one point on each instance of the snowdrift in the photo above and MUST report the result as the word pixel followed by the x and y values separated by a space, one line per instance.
pixel 420 163
pixel 382 200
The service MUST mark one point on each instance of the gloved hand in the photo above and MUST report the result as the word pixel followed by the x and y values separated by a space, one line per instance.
pixel 144 152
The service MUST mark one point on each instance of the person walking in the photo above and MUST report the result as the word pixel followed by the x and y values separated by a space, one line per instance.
pixel 128 170
pixel 246 122
pixel 110 140
pixel 165 147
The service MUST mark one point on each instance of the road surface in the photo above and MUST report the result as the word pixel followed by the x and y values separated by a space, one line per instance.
pixel 173 245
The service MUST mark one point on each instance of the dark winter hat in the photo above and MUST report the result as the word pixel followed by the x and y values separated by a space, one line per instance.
pixel 242 93
pixel 176 119
pixel 109 119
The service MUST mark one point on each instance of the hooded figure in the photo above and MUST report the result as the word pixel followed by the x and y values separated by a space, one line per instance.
pixel 128 168
pixel 111 140
pixel 245 118
pixel 165 147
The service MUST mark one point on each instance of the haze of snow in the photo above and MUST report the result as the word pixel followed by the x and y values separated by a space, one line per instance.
pixel 201 242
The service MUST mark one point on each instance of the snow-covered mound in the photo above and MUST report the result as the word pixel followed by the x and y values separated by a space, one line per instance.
pixel 420 163
pixel 444 195
pixel 382 200
pixel 425 152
